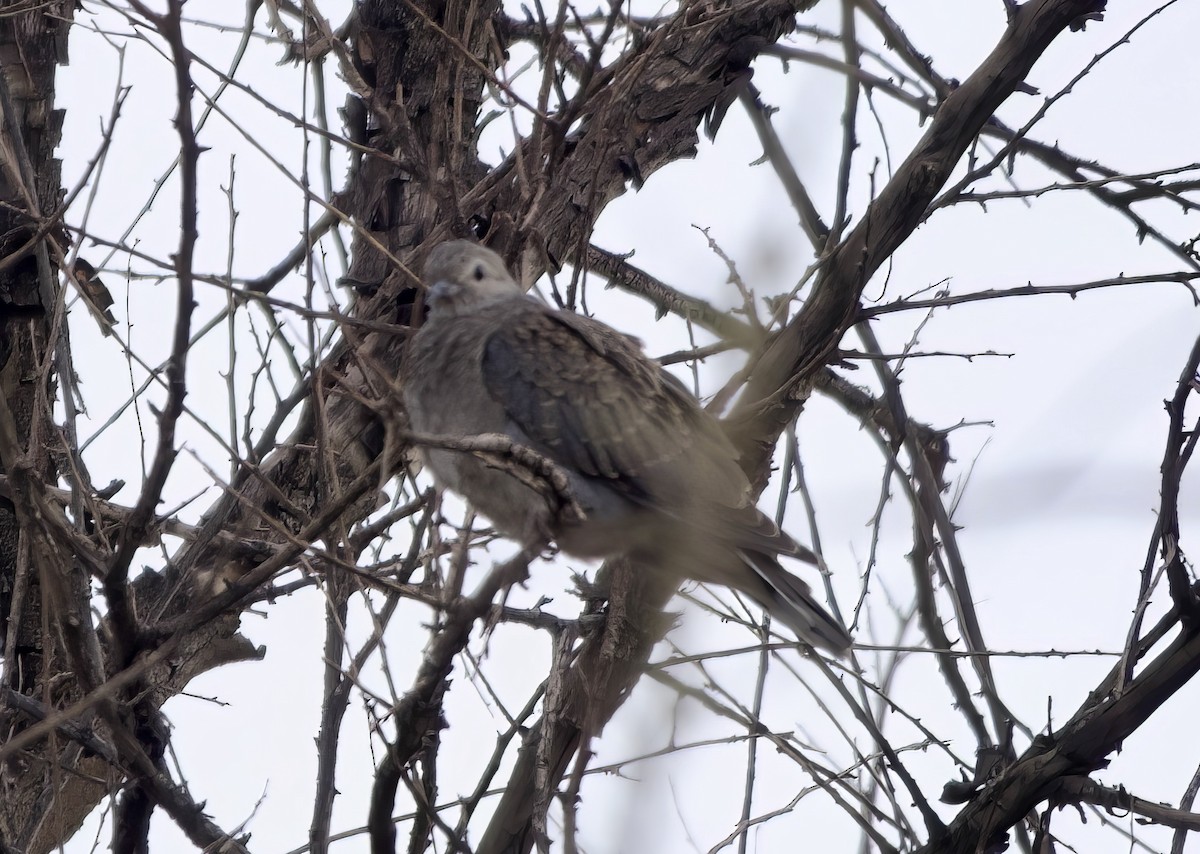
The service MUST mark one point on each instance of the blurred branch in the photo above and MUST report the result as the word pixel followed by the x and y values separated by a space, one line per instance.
pixel 666 299
pixel 814 228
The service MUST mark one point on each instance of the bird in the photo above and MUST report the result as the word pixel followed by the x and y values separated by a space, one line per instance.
pixel 651 470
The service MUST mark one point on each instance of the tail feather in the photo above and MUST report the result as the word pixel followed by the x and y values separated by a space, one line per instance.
pixel 757 532
pixel 790 601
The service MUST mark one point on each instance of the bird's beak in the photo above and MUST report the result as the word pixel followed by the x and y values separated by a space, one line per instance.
pixel 441 294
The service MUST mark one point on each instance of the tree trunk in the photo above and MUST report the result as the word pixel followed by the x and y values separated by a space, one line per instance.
pixel 32 44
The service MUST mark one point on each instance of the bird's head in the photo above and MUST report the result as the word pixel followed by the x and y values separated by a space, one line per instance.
pixel 461 276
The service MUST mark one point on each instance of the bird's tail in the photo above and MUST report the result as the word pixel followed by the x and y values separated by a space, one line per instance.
pixel 790 600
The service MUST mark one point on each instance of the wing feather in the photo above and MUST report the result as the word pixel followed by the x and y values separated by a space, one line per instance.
pixel 587 397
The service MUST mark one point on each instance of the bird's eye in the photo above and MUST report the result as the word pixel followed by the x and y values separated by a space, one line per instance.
pixel 479 273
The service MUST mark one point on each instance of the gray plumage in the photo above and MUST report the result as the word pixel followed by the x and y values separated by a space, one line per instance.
pixel 654 474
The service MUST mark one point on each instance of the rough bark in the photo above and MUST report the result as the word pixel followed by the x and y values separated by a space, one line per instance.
pixel 32 44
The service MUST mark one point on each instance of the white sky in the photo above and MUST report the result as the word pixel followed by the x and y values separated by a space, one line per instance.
pixel 1055 518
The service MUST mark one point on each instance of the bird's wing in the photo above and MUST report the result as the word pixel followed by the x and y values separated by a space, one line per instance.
pixel 587 397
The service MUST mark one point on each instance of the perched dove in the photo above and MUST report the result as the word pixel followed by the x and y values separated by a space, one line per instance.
pixel 652 471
